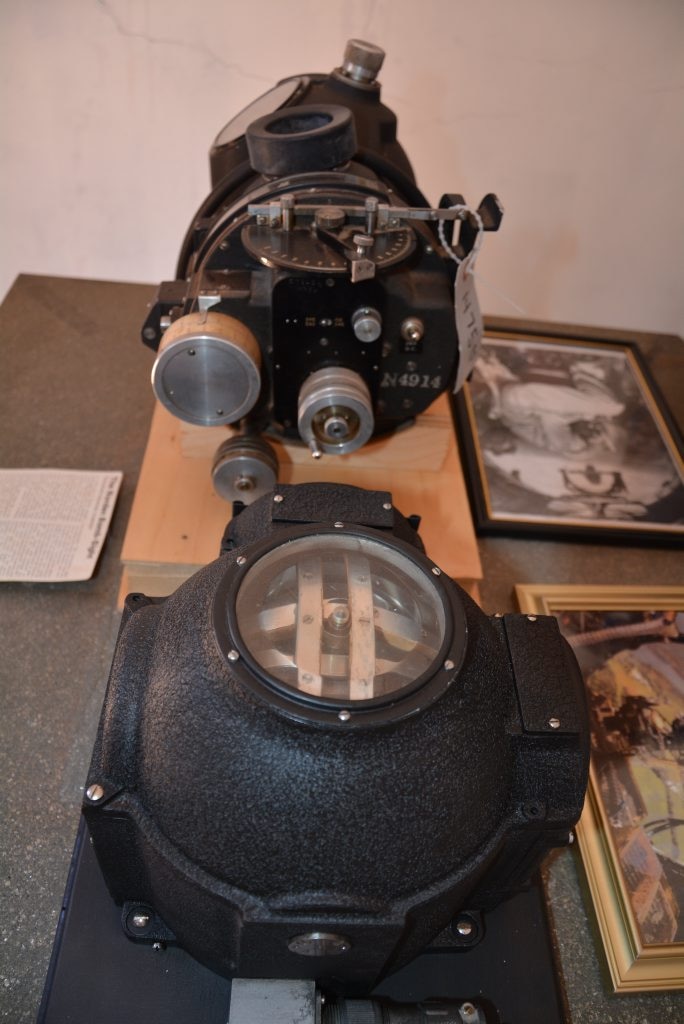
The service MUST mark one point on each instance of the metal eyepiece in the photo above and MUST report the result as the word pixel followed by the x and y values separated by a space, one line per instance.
pixel 334 411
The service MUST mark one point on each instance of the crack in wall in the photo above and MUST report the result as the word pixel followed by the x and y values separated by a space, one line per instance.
pixel 200 48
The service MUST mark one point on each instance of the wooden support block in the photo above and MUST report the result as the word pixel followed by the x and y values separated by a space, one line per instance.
pixel 423 445
pixel 177 520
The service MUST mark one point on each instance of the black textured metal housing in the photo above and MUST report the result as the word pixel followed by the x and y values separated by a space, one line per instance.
pixel 243 826
pixel 307 226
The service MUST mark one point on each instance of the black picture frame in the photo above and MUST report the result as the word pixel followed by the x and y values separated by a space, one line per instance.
pixel 569 437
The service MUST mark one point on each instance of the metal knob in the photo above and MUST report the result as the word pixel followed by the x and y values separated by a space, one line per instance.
pixel 367 324
pixel 362 61
pixel 412 329
pixel 245 468
pixel 330 218
pixel 335 411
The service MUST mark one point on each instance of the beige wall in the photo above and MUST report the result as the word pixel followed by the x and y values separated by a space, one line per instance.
pixel 573 112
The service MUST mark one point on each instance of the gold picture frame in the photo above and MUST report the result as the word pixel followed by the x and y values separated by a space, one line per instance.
pixel 634 904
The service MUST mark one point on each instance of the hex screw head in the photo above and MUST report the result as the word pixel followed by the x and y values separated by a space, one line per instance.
pixel 95 792
pixel 387 505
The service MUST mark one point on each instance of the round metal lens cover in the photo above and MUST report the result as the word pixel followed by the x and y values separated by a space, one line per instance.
pixel 340 625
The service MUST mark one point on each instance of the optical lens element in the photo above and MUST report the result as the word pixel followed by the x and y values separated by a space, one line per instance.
pixel 341 617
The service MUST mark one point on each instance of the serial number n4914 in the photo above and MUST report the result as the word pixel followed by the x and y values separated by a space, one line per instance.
pixel 411 380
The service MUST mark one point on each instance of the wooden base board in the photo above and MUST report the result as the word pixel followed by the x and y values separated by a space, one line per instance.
pixel 423 446
pixel 177 520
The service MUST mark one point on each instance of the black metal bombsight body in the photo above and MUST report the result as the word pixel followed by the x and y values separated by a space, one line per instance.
pixel 314 299
pixel 279 827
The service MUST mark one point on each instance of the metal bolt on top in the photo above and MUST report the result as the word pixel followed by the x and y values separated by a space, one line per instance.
pixel 362 61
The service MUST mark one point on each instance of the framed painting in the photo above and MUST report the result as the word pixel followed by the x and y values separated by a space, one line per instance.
pixel 629 642
pixel 569 437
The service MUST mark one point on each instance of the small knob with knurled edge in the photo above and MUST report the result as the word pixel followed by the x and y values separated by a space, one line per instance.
pixel 354 1011
pixel 362 61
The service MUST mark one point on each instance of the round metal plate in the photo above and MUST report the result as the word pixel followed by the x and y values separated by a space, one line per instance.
pixel 206 380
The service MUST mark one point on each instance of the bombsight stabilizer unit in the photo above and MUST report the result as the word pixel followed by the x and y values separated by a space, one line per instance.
pixel 319 754
pixel 314 299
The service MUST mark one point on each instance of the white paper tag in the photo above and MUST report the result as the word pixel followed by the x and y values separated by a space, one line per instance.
pixel 468 320
pixel 53 522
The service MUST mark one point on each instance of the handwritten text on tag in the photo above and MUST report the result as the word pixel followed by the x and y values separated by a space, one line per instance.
pixel 468 321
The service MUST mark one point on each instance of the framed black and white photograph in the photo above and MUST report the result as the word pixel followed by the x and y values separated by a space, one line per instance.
pixel 569 437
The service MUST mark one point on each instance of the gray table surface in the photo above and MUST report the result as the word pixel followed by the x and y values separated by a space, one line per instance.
pixel 74 393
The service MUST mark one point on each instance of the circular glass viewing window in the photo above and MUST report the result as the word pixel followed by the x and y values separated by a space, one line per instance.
pixel 344 618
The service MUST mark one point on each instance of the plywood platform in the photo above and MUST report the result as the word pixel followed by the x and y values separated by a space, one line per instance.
pixel 177 520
